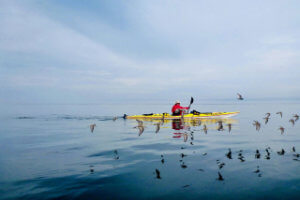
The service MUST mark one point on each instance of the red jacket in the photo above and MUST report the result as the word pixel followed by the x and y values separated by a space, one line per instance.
pixel 177 106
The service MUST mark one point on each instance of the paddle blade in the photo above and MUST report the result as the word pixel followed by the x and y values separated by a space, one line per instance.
pixel 192 100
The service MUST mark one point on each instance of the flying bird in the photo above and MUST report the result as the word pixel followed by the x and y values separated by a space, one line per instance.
pixel 163 118
pixel 205 129
pixel 92 127
pixel 292 121
pixel 257 125
pixel 185 137
pixel 157 127
pixel 140 126
pixel 268 114
pixel 229 127
pixel 140 123
pixel 281 129
pixel 296 117
pixel 239 97
pixel 141 130
pixel 266 119
pixel 280 113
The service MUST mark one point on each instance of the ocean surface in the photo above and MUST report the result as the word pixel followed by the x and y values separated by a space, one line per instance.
pixel 49 152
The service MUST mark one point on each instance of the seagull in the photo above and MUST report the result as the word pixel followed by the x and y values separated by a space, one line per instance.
pixel 292 121
pixel 266 119
pixel 229 127
pixel 157 127
pixel 183 165
pixel 185 137
pixel 92 127
pixel 268 114
pixel 221 165
pixel 220 126
pixel 140 126
pixel 163 118
pixel 241 157
pixel 240 97
pixel 220 178
pixel 257 154
pixel 268 154
pixel 182 155
pixel 257 170
pixel 296 117
pixel 280 113
pixel 257 125
pixel 140 123
pixel 228 155
pixel 157 174
pixel 199 122
pixel 116 155
pixel 281 152
pixel 205 129
pixel 281 129
pixel 141 130
pixel 162 159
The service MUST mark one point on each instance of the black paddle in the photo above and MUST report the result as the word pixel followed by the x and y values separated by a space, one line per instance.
pixel 191 102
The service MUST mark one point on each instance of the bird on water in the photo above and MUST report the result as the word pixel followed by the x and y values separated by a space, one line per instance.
pixel 239 96
pixel 92 127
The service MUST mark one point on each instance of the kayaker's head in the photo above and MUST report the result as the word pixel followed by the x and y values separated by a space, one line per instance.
pixel 177 102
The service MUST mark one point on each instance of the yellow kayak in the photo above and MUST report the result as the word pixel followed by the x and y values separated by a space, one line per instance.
pixel 188 116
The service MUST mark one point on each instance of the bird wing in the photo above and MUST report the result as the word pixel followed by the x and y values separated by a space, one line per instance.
pixel 140 123
pixel 157 128
pixel 141 130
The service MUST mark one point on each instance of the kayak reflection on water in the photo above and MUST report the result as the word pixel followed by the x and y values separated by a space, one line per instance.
pixel 187 124
pixel 177 124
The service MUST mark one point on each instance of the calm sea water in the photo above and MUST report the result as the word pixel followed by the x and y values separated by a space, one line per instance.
pixel 48 152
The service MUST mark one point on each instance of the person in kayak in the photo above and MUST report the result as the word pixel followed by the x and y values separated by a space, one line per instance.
pixel 177 109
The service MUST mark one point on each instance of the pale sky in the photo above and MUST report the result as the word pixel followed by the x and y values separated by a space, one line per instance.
pixel 66 51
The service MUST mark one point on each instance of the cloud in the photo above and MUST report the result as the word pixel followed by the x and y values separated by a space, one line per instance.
pixel 169 48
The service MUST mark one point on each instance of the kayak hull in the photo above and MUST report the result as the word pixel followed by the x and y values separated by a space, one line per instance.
pixel 211 115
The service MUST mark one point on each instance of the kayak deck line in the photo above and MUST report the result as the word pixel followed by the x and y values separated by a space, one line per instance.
pixel 198 116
